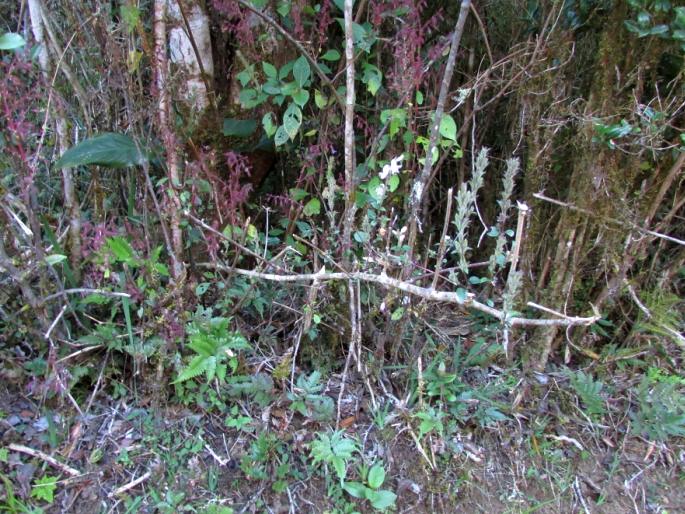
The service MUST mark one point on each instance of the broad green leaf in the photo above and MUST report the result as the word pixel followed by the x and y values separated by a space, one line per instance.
pixel 281 137
pixel 283 9
pixel 292 119
pixel 376 476
pixel 55 259
pixel 448 128
pixel 270 70
pixel 320 99
pixel 301 71
pixel 393 183
pixel 290 88
pixel 376 189
pixel 301 97
pixel 268 124
pixel 108 149
pixel 355 489
pixel 331 55
pixel 246 75
pixel 239 128
pixel 381 500
pixel 11 41
pixel 397 314
pixel 272 88
pixel 248 98
pixel 360 237
pixel 461 294
pixel 419 97
pixel 312 208
pixel 372 77
pixel 298 194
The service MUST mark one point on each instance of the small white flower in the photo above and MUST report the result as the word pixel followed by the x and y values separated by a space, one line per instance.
pixel 393 168
pixel 380 191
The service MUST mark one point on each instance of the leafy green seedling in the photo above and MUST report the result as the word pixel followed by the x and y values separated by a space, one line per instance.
pixel 380 499
pixel 335 450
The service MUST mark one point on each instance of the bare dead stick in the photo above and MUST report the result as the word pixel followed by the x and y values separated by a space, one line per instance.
pixel 130 485
pixel 44 456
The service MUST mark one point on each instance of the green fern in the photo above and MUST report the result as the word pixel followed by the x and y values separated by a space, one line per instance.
pixel 590 392
pixel 660 412
pixel 213 344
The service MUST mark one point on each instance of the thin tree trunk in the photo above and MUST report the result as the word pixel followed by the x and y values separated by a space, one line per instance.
pixel 421 183
pixel 350 172
pixel 168 135
pixel 71 202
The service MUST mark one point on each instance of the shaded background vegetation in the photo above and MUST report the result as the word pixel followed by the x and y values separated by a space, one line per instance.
pixel 111 265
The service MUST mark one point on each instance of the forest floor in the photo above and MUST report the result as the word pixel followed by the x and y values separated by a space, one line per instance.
pixel 254 455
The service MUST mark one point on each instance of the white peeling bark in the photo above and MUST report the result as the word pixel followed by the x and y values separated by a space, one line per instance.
pixel 190 48
pixel 168 135
pixel 350 178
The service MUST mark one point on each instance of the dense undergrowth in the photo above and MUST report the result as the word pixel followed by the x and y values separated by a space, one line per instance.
pixel 389 256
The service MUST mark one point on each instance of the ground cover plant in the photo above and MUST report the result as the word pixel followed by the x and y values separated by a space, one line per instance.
pixel 337 256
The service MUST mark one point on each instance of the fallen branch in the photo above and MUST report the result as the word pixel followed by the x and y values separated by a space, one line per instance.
pixel 45 457
pixel 130 485
pixel 427 293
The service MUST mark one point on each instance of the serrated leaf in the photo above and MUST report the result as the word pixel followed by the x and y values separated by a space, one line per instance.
pixel 121 249
pixel 108 149
pixel 11 41
pixel 312 208
pixel 376 476
pixel 301 71
pixel 239 128
pixel 44 488
pixel 196 368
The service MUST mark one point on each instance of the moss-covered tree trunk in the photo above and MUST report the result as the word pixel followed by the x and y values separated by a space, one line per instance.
pixel 575 249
